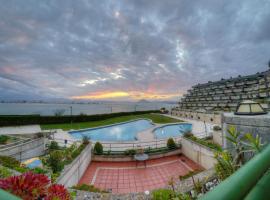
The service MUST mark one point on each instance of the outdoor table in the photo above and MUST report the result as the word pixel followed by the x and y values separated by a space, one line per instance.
pixel 141 158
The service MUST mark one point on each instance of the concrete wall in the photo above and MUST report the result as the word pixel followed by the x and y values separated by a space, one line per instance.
pixel 258 124
pixel 20 130
pixel 25 150
pixel 217 137
pixel 200 154
pixel 73 172
pixel 207 117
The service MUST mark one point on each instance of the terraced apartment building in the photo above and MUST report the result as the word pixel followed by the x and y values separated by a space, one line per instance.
pixel 224 95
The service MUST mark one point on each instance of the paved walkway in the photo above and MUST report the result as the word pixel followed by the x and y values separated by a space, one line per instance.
pixel 20 130
pixel 125 177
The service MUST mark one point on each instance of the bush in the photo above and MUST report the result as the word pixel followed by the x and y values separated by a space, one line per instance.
pixel 89 188
pixel 4 172
pixel 206 142
pixel 39 170
pixel 54 177
pixel 171 143
pixel 53 145
pixel 3 139
pixel 188 134
pixel 190 173
pixel 21 169
pixel 55 161
pixel 162 194
pixel 217 128
pixel 130 152
pixel 85 140
pixel 9 162
pixel 98 148
pixel 78 150
pixel 13 120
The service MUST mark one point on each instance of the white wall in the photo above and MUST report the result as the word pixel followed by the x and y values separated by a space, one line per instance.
pixel 217 137
pixel 73 172
pixel 25 150
pixel 200 154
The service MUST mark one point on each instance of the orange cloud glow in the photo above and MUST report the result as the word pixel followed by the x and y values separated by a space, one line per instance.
pixel 105 95
pixel 130 95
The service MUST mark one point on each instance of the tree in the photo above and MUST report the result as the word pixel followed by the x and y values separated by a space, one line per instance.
pixel 59 112
pixel 235 138
pixel 55 161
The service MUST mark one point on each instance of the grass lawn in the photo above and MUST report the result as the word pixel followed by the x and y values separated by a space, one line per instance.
pixel 156 118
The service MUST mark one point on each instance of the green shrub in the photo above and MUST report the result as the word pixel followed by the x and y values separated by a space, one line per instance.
pixel 190 173
pixel 85 140
pixel 21 169
pixel 188 134
pixel 98 148
pixel 206 142
pixel 54 177
pixel 3 139
pixel 13 120
pixel 89 188
pixel 53 145
pixel 78 151
pixel 217 128
pixel 39 170
pixel 163 194
pixel 4 172
pixel 171 143
pixel 9 162
pixel 55 161
pixel 130 152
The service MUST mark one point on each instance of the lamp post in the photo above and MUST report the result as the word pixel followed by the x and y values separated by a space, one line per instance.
pixel 70 110
pixel 135 108
pixel 71 116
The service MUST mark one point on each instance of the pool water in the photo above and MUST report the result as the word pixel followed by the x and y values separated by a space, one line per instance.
pixel 174 130
pixel 33 163
pixel 118 132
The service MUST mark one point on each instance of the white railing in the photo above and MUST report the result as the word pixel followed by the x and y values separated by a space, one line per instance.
pixel 122 146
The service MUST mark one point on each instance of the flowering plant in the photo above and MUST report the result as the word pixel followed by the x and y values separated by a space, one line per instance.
pixel 30 186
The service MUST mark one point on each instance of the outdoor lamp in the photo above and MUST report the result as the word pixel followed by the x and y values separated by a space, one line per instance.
pixel 249 108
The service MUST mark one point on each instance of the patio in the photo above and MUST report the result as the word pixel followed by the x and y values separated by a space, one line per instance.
pixel 125 177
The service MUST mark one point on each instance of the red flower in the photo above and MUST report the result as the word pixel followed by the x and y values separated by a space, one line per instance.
pixel 28 185
pixel 57 192
pixel 31 186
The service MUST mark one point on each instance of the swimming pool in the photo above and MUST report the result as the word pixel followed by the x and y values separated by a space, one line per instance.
pixel 117 132
pixel 173 130
pixel 33 163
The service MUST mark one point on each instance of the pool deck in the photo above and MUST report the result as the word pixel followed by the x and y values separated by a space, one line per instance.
pixel 125 177
pixel 199 128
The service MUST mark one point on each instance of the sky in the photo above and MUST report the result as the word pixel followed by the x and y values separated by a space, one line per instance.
pixel 127 50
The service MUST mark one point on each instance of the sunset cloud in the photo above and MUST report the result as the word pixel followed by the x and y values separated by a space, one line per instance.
pixel 127 50
pixel 127 95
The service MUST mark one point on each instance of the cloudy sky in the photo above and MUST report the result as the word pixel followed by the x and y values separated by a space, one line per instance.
pixel 127 49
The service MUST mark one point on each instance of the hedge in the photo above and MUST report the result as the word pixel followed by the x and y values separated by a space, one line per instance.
pixel 15 120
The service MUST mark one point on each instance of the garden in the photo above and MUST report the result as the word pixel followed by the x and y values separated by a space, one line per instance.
pixel 39 182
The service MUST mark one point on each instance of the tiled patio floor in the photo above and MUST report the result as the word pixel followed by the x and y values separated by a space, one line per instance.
pixel 125 177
